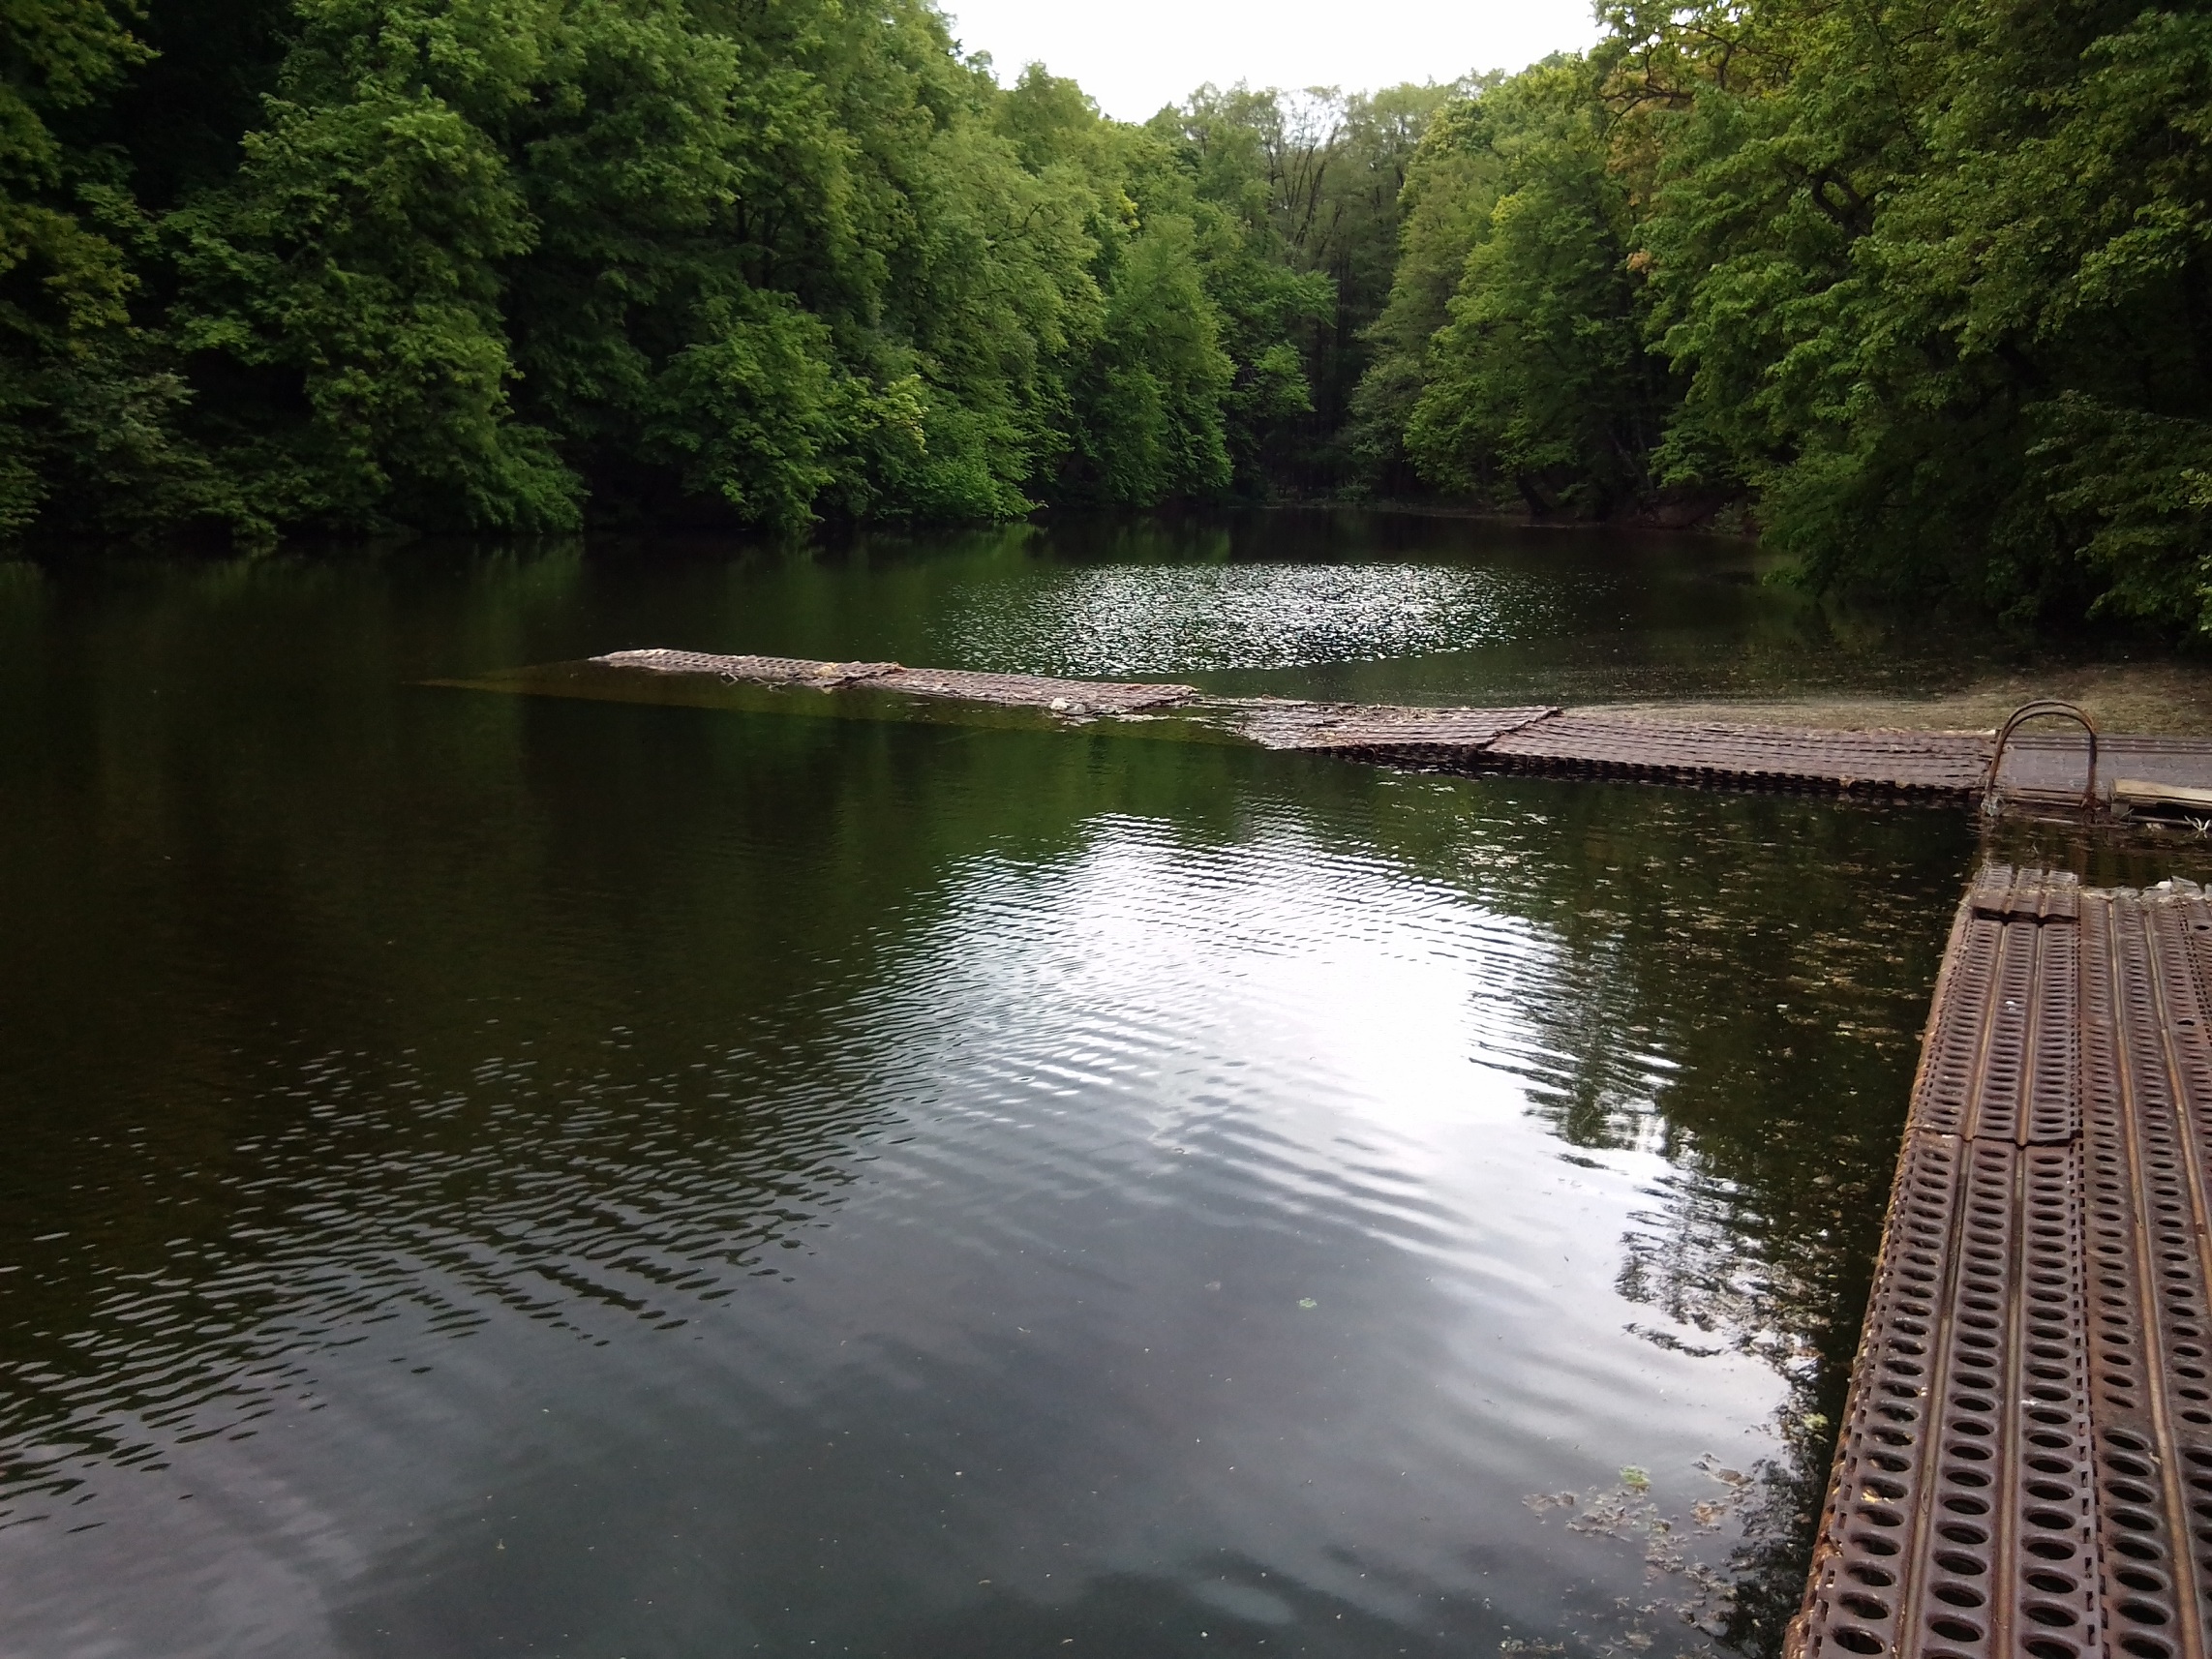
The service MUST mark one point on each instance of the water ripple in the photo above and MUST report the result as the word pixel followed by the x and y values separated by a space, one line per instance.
pixel 1150 618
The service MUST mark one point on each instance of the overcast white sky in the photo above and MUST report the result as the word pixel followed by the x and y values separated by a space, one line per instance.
pixel 1134 55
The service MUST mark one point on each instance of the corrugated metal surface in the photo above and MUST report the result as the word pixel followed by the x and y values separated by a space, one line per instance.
pixel 1007 690
pixel 760 670
pixel 1945 764
pixel 1368 731
pixel 2026 1464
pixel 1077 697
pixel 2040 771
pixel 2149 1093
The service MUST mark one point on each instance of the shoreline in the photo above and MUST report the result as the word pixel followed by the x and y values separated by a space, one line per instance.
pixel 2155 699
pixel 1658 745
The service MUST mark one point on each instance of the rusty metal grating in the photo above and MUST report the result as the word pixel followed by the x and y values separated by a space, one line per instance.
pixel 2025 1466
pixel 2002 1054
pixel 1379 732
pixel 2003 892
pixel 1006 690
pixel 1941 764
pixel 1962 1506
pixel 1543 740
pixel 2149 1093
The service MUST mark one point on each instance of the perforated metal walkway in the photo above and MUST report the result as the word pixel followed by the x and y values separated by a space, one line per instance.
pixel 2025 1467
pixel 2039 766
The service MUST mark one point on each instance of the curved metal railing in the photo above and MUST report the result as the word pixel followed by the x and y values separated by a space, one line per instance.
pixel 2043 707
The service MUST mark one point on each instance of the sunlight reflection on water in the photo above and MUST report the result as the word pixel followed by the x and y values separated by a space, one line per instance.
pixel 1139 618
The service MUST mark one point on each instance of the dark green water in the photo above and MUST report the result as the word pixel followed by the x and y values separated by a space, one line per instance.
pixel 494 1175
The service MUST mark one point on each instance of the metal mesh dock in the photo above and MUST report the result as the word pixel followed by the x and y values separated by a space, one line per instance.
pixel 2025 1466
pixel 2037 768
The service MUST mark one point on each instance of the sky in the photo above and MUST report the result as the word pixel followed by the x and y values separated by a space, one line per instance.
pixel 1134 55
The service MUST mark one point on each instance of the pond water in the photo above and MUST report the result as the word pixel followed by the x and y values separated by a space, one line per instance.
pixel 493 1174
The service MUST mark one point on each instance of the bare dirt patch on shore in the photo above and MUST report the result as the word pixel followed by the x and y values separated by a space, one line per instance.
pixel 2165 699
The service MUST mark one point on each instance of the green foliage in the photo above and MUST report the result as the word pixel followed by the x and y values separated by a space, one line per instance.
pixel 1539 380
pixel 752 413
pixel 354 266
pixel 1936 279
pixel 511 266
pixel 1930 282
pixel 496 264
pixel 2130 493
pixel 1926 284
pixel 1305 192
pixel 1452 182
pixel 63 276
pixel 1146 383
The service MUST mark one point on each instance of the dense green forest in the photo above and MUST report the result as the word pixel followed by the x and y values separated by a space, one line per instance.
pixel 1919 289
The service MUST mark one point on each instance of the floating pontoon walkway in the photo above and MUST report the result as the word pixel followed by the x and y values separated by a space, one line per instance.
pixel 2025 1466
pixel 1894 765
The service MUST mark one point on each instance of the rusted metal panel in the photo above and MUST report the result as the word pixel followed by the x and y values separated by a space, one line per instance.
pixel 1434 737
pixel 2148 1094
pixel 2042 896
pixel 2025 1467
pixel 1949 763
pixel 1077 697
pixel 1855 1598
pixel 1916 765
pixel 1963 1478
pixel 2053 1095
pixel 2001 1056
pixel 761 669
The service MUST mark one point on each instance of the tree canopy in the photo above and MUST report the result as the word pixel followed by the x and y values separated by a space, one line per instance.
pixel 502 264
pixel 1924 283
pixel 1921 290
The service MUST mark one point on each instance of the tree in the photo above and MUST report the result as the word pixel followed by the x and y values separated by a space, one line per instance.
pixel 1934 274
pixel 1538 380
pixel 1451 185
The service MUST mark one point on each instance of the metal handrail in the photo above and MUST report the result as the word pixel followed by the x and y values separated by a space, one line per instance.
pixel 2043 707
